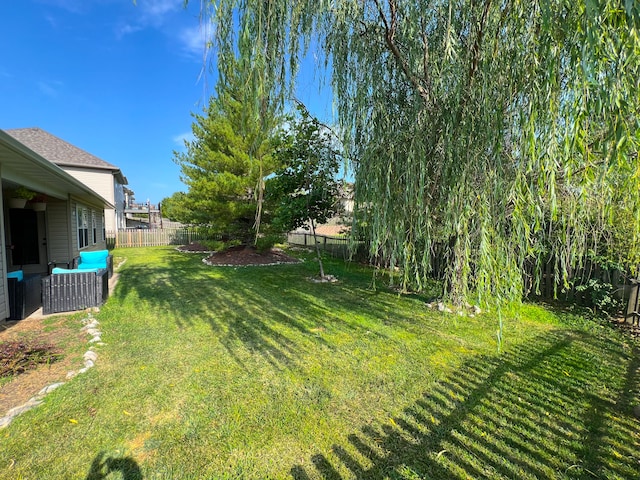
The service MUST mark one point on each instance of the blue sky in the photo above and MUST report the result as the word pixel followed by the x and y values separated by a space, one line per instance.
pixel 117 79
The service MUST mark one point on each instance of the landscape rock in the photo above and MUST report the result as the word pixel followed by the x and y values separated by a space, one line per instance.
pixel 92 325
pixel 90 355
pixel 50 388
pixel 325 279
pixel 33 402
pixel 89 364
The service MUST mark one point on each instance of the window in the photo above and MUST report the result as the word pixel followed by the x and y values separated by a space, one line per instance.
pixel 83 226
pixel 104 228
pixel 94 227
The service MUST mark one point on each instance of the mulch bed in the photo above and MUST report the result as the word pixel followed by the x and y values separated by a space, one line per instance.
pixel 240 256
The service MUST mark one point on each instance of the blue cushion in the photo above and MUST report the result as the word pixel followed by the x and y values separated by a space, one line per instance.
pixel 98 257
pixel 75 270
pixel 91 266
pixel 17 274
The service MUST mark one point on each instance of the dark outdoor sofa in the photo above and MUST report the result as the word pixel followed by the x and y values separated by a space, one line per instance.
pixel 69 290
pixel 24 295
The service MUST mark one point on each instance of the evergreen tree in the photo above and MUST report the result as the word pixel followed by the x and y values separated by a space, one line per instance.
pixel 224 166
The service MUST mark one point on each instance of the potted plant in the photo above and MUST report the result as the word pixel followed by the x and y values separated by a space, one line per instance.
pixel 39 203
pixel 20 196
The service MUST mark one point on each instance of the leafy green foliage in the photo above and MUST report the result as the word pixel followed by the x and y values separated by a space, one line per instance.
pixel 264 243
pixel 470 123
pixel 223 167
pixel 601 295
pixel 176 208
pixel 305 187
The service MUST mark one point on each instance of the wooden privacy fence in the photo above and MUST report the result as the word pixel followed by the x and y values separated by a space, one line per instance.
pixel 335 246
pixel 613 282
pixel 155 238
pixel 584 285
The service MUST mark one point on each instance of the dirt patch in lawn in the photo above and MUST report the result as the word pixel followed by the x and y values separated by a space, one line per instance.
pixel 59 332
pixel 241 256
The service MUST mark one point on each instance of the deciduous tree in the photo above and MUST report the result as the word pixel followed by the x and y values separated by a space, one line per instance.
pixel 304 190
pixel 481 127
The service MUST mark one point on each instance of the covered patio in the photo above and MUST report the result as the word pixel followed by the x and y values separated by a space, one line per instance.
pixel 59 218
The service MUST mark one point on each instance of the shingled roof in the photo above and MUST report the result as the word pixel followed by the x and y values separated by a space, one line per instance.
pixel 57 150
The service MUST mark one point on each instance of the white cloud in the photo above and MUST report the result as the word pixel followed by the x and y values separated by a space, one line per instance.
pixel 149 13
pixel 127 29
pixel 154 11
pixel 50 89
pixel 183 137
pixel 196 40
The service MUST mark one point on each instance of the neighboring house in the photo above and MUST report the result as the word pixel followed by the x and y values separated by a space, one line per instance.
pixel 35 238
pixel 340 224
pixel 104 178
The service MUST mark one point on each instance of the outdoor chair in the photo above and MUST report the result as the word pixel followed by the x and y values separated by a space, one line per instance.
pixel 68 290
pixel 24 294
pixel 93 260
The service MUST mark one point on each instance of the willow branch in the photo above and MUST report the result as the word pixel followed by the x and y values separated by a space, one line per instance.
pixel 389 36
pixel 477 44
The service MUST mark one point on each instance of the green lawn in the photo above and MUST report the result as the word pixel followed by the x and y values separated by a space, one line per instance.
pixel 258 373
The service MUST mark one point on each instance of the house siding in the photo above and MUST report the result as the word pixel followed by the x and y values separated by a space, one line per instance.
pixel 58 232
pixel 4 293
pixel 103 183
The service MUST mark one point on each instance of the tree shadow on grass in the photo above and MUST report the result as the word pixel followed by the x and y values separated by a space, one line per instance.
pixel 272 311
pixel 558 407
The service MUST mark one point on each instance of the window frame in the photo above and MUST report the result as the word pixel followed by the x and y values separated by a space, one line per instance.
pixel 82 224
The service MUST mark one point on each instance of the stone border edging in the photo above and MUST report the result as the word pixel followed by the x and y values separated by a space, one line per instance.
pixel 91 327
pixel 204 260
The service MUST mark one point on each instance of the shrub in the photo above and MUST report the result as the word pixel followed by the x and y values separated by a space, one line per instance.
pixel 600 295
pixel 266 242
pixel 213 245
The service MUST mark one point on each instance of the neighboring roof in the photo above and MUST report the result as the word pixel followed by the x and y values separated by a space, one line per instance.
pixel 23 166
pixel 60 152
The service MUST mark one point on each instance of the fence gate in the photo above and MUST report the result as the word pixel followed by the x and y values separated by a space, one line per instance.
pixel 632 315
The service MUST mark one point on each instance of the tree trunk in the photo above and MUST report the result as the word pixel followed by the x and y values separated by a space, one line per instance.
pixel 315 241
pixel 260 201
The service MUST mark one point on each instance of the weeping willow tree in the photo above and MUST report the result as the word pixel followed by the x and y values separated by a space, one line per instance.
pixel 489 133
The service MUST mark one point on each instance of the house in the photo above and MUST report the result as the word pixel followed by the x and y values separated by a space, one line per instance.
pixel 34 238
pixel 104 178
